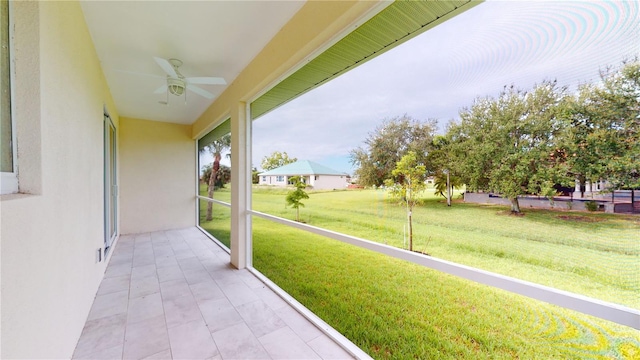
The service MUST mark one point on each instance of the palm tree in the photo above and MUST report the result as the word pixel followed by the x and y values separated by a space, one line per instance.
pixel 216 148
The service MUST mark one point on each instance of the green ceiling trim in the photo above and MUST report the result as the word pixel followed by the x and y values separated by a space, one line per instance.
pixel 220 131
pixel 397 23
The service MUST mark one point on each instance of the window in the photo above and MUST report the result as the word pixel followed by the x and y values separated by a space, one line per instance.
pixel 316 177
pixel 264 178
pixel 280 178
pixel 7 140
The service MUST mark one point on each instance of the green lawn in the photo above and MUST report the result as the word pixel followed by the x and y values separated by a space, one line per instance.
pixel 393 309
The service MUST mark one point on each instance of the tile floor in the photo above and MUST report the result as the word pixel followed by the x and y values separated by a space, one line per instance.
pixel 173 295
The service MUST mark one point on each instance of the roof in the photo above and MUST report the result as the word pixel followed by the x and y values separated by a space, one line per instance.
pixel 302 167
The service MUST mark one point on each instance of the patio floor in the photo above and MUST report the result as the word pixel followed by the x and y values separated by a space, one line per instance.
pixel 174 295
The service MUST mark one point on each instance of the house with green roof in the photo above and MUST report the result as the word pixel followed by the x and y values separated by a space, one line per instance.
pixel 316 176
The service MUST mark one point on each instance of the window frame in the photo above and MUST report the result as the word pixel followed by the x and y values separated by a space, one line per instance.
pixel 9 180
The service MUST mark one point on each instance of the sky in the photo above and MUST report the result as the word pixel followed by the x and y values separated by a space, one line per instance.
pixel 437 73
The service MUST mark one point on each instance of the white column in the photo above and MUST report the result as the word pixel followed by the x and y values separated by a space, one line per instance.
pixel 240 186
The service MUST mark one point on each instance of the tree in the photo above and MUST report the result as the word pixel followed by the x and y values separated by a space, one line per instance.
pixel 215 148
pixel 255 179
pixel 441 165
pixel 222 177
pixel 509 144
pixel 294 196
pixel 276 160
pixel 602 140
pixel 617 104
pixel 440 184
pixel 387 144
pixel 409 184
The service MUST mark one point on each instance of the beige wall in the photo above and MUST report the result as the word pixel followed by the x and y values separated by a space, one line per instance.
pixel 157 176
pixel 49 238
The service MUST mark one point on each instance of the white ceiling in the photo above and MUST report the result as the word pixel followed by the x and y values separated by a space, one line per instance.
pixel 212 38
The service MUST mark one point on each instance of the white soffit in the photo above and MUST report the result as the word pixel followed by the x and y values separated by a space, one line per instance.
pixel 212 38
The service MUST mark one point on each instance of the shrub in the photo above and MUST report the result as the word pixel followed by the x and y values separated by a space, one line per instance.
pixel 591 205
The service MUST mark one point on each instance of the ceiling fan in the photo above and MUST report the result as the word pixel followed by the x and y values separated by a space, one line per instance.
pixel 177 84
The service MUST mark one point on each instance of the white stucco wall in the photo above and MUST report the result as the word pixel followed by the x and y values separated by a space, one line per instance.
pixel 273 180
pixel 327 182
pixel 49 238
pixel 157 176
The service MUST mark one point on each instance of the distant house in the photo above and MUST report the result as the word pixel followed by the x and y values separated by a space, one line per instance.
pixel 313 174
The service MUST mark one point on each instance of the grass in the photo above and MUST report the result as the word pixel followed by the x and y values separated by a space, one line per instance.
pixel 396 310
pixel 393 309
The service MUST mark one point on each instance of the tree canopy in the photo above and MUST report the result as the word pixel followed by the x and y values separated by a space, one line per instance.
pixel 409 183
pixel 295 196
pixel 387 144
pixel 276 160
pixel 522 141
pixel 508 144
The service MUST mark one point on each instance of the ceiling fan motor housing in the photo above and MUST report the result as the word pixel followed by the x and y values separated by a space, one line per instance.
pixel 176 86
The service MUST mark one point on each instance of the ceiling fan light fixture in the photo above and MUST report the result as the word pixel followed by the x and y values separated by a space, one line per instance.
pixel 176 86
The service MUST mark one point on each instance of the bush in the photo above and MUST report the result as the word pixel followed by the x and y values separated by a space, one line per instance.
pixel 591 205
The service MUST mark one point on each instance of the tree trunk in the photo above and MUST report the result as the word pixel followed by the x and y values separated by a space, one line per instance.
pixel 212 183
pixel 515 205
pixel 410 233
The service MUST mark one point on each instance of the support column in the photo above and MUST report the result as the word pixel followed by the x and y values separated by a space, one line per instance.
pixel 240 186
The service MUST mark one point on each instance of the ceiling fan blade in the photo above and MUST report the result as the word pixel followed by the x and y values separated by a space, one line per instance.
pixel 206 80
pixel 166 66
pixel 161 89
pixel 201 92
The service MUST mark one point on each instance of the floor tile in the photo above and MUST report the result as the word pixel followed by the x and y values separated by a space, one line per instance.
pixel 143 271
pixel 285 344
pixel 164 250
pixel 184 253
pixel 192 340
pixel 174 295
pixel 207 290
pixel 238 342
pixel 170 273
pixel 143 260
pixel 145 307
pixel 270 297
pixel 298 323
pixel 219 314
pixel 117 270
pixel 121 258
pixel 114 352
pixel 328 349
pixel 158 236
pixel 181 310
pixel 260 318
pixel 144 286
pixel 114 284
pixel 101 334
pixel 190 264
pixel 174 288
pixel 249 279
pixel 162 355
pixel 195 277
pixel 238 293
pixel 109 304
pixel 146 338
pixel 165 261
pixel 226 275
